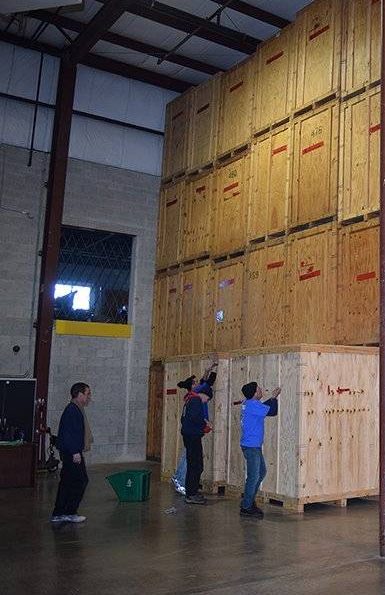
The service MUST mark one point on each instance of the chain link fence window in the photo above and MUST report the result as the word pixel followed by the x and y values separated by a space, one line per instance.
pixel 93 276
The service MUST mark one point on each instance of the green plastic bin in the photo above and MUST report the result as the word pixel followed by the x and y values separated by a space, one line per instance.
pixel 132 485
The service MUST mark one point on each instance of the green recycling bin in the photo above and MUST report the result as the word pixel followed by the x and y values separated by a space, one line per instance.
pixel 132 485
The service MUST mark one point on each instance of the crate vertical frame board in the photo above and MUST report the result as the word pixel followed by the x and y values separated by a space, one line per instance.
pixel 196 310
pixel 231 206
pixel 177 134
pixel 318 43
pixel 236 106
pixel 315 165
pixel 228 290
pixel 312 285
pixel 172 342
pixel 159 317
pixel 270 171
pixel 358 283
pixel 170 237
pixel 361 64
pixel 205 104
pixel 273 96
pixel 359 192
pixel 198 216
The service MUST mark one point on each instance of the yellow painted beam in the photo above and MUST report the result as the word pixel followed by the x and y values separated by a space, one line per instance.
pixel 93 329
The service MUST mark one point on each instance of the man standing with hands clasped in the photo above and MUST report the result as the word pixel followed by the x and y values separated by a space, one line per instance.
pixel 252 434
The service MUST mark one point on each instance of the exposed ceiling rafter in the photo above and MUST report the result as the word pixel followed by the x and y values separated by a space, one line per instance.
pixel 256 13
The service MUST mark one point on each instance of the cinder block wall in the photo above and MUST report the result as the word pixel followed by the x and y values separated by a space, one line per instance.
pixel 97 197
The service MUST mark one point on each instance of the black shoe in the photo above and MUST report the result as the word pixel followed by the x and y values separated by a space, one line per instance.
pixel 253 512
pixel 195 499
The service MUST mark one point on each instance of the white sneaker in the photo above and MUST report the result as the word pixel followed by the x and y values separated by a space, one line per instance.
pixel 75 518
pixel 62 518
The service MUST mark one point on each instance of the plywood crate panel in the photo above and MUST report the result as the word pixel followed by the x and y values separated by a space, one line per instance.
pixel 360 155
pixel 361 64
pixel 159 317
pixel 312 285
pixel 358 283
pixel 198 215
pixel 318 43
pixel 273 95
pixel 172 346
pixel 270 169
pixel 236 106
pixel 155 411
pixel 323 445
pixel 265 297
pixel 315 165
pixel 170 224
pixel 231 205
pixel 177 132
pixel 197 310
pixel 238 376
pixel 204 122
pixel 228 284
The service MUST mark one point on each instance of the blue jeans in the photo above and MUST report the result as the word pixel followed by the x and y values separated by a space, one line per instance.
pixel 256 471
pixel 180 473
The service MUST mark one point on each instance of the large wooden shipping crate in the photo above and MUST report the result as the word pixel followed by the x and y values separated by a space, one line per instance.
pixel 177 133
pixel 270 170
pixel 231 205
pixel 273 95
pixel 198 217
pixel 265 296
pixel 170 225
pixel 318 42
pixel 315 165
pixel 197 310
pixel 358 283
pixel 312 285
pixel 361 64
pixel 323 445
pixel 360 155
pixel 205 103
pixel 228 287
pixel 236 106
pixel 155 411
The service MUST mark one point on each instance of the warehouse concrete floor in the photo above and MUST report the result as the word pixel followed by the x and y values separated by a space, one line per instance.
pixel 142 548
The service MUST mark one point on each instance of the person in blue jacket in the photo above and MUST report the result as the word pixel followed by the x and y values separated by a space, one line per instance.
pixel 252 434
pixel 74 437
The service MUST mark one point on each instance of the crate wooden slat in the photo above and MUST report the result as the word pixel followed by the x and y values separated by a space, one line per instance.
pixel 236 106
pixel 358 283
pixel 273 95
pixel 155 411
pixel 170 227
pixel 172 344
pixel 159 318
pixel 205 104
pixel 231 204
pixel 361 63
pixel 315 165
pixel 177 132
pixel 270 169
pixel 228 285
pixel 198 215
pixel 318 43
pixel 197 310
pixel 312 285
pixel 360 155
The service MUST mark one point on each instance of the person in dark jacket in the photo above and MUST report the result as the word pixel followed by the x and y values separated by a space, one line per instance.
pixel 193 426
pixel 252 435
pixel 74 437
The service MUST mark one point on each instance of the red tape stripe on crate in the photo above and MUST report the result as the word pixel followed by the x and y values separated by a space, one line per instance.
pixel 172 202
pixel 171 391
pixel 366 276
pixel 275 265
pixel 309 275
pixel 203 108
pixel 318 32
pixel 275 57
pixel 279 150
pixel 235 87
pixel 234 185
pixel 375 128
pixel 313 147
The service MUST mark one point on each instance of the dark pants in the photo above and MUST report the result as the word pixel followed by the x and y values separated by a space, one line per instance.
pixel 194 455
pixel 73 482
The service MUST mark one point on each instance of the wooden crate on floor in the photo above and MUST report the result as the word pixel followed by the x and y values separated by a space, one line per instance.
pixel 265 296
pixel 170 224
pixel 358 283
pixel 177 133
pixel 159 317
pixel 361 64
pixel 315 165
pixel 323 445
pixel 236 106
pixel 273 95
pixel 270 169
pixel 228 286
pixel 231 204
pixel 197 310
pixel 198 217
pixel 312 285
pixel 172 342
pixel 204 123
pixel 318 42
pixel 360 155
pixel 155 411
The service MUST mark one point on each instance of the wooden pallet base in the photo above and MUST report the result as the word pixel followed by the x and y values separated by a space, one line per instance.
pixel 272 126
pixel 313 105
pixel 298 504
pixel 201 170
pixel 233 153
pixel 180 174
pixel 214 487
pixel 363 89
pixel 361 218
pixel 311 224
pixel 268 237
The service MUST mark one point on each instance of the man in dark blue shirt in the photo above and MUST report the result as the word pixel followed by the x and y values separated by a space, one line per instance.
pixel 252 434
